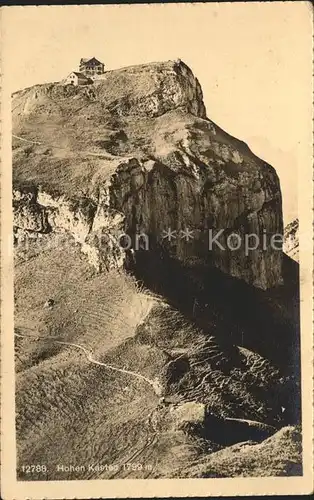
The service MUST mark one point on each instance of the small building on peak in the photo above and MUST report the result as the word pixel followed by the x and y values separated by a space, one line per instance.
pixel 91 67
pixel 77 78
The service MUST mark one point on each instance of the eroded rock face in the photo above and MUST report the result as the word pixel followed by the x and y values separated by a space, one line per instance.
pixel 173 171
pixel 291 240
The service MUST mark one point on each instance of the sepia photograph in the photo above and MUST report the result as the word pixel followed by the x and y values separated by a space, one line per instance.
pixel 157 249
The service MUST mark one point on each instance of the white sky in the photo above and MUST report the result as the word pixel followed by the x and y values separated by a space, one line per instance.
pixel 254 62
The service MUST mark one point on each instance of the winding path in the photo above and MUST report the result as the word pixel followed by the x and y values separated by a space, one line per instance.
pixel 153 383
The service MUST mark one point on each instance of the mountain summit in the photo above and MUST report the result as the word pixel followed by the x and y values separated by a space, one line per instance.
pixel 135 152
pixel 166 351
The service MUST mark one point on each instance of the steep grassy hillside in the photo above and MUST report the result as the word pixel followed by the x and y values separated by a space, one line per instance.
pixel 70 407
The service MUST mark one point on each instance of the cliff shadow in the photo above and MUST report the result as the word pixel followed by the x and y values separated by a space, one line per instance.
pixel 266 322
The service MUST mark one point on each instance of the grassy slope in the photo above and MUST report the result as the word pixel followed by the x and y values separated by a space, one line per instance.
pixel 74 125
pixel 278 455
pixel 68 407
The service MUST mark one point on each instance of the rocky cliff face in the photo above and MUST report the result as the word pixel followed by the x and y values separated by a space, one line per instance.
pixel 135 154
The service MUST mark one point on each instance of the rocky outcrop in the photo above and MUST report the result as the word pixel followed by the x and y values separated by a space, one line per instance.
pixel 165 179
pixel 279 455
pixel 291 240
pixel 41 212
